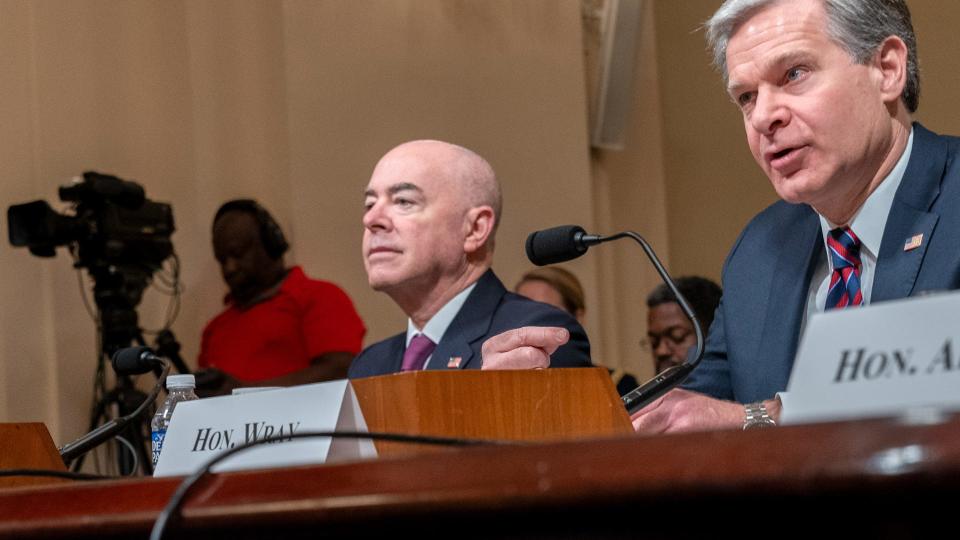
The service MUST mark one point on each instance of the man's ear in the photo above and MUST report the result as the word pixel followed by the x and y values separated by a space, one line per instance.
pixel 891 64
pixel 479 223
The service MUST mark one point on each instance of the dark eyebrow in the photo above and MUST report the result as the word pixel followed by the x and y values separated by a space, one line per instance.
pixel 781 61
pixel 396 188
pixel 669 330
pixel 790 58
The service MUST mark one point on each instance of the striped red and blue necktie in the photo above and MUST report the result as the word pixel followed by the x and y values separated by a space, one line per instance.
pixel 844 248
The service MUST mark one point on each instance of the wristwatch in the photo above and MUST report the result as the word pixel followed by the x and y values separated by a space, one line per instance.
pixel 756 416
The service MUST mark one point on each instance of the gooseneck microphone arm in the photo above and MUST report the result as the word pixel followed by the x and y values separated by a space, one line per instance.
pixel 84 444
pixel 661 383
pixel 567 242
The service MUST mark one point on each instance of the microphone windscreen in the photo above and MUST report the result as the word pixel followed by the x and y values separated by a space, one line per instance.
pixel 134 360
pixel 555 245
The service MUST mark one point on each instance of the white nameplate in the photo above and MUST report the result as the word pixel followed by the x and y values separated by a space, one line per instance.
pixel 887 359
pixel 201 429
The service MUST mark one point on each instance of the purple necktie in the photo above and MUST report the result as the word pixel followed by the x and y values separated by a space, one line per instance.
pixel 417 353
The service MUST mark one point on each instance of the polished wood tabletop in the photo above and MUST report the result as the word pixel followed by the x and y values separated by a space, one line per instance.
pixel 885 478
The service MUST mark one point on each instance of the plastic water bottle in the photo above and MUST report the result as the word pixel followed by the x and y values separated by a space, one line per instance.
pixel 179 388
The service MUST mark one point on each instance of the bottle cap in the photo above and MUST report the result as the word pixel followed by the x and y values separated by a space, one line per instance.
pixel 181 381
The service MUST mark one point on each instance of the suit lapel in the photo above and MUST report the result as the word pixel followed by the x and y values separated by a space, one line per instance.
pixel 397 346
pixel 897 268
pixel 472 322
pixel 787 301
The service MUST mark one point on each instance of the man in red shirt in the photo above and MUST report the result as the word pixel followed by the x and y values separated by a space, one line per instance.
pixel 279 328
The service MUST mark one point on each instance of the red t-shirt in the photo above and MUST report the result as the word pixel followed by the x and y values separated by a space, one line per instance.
pixel 280 335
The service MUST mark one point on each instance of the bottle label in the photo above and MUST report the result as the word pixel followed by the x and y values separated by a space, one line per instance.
pixel 156 439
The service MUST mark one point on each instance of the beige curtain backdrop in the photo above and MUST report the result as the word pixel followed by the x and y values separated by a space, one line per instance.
pixel 292 102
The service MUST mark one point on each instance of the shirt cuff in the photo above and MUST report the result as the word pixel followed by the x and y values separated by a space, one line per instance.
pixel 784 398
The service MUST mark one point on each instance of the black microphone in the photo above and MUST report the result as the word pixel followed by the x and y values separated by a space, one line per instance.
pixel 568 242
pixel 135 360
pixel 132 358
pixel 559 244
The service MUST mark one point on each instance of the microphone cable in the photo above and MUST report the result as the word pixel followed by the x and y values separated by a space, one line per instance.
pixel 172 508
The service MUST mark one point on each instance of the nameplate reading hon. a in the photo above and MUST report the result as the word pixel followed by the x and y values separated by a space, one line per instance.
pixel 887 359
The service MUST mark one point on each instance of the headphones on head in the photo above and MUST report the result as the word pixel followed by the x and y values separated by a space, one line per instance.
pixel 274 243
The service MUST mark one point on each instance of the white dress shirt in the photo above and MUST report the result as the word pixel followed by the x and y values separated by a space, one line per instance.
pixel 437 325
pixel 868 224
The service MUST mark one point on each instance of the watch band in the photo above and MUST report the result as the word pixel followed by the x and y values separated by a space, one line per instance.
pixel 756 415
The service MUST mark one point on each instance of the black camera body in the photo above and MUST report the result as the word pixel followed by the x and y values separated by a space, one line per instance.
pixel 113 224
pixel 116 233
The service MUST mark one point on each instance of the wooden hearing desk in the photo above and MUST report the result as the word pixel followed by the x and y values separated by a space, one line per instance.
pixel 866 479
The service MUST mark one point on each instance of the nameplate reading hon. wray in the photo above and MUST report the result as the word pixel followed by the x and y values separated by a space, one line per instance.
pixel 199 430
pixel 887 359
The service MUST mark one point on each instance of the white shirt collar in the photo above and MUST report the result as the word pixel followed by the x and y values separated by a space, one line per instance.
pixel 437 325
pixel 871 219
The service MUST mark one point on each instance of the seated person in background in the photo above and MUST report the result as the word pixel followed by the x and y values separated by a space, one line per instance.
pixel 555 286
pixel 559 287
pixel 431 213
pixel 279 328
pixel 670 333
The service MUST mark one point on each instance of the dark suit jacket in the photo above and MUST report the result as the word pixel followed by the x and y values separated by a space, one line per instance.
pixel 766 278
pixel 488 311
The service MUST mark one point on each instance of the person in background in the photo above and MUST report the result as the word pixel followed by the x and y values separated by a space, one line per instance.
pixel 670 334
pixel 279 327
pixel 555 286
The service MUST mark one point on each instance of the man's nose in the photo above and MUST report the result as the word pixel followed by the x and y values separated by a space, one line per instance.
pixel 769 112
pixel 662 349
pixel 376 218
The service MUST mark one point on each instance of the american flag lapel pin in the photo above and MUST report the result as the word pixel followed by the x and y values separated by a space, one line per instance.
pixel 454 362
pixel 913 242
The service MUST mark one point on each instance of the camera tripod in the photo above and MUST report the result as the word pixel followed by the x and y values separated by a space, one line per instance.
pixel 117 292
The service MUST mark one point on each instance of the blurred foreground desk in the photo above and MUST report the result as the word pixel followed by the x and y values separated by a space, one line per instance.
pixel 866 479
